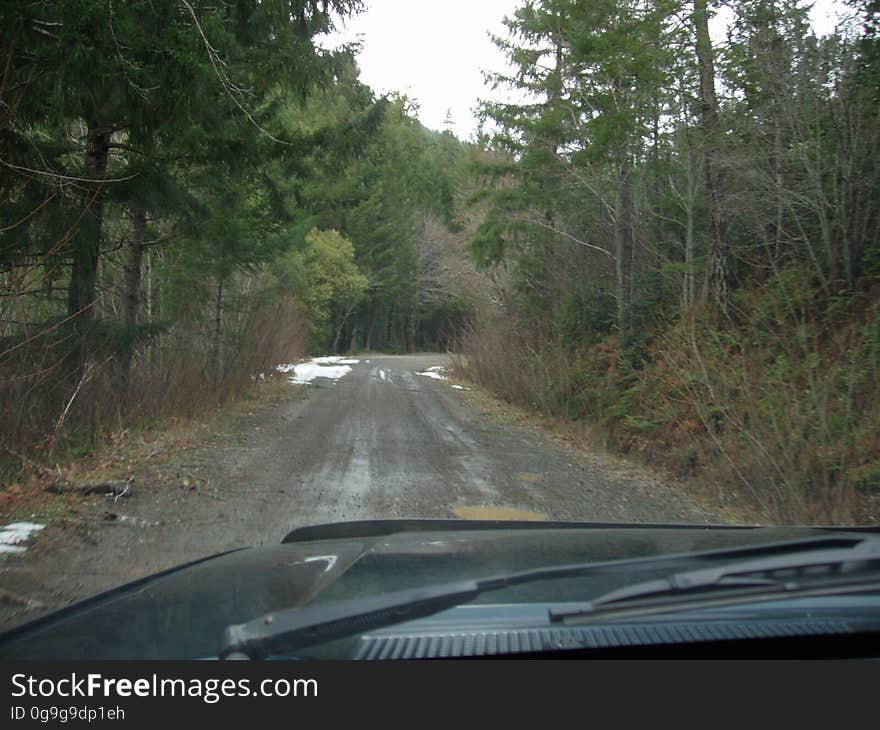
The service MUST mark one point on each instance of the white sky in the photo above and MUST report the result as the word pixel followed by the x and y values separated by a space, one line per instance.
pixel 434 51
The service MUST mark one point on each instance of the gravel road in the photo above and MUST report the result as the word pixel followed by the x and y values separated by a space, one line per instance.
pixel 382 441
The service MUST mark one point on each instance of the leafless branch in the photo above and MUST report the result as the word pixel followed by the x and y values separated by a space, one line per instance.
pixel 578 241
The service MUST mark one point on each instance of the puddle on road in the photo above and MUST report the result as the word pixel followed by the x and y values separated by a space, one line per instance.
pixel 495 512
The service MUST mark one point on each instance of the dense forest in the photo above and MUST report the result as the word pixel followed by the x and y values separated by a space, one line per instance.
pixel 193 192
pixel 688 235
pixel 677 237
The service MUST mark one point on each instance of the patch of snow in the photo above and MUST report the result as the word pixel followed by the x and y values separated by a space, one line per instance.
pixel 435 372
pixel 382 375
pixel 306 372
pixel 137 521
pixel 458 387
pixel 332 367
pixel 431 374
pixel 17 532
pixel 334 360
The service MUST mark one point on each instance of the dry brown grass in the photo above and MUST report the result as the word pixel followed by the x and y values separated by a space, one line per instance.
pixel 777 417
pixel 179 374
pixel 516 366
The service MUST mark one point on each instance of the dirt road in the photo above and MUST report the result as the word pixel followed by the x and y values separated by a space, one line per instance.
pixel 389 438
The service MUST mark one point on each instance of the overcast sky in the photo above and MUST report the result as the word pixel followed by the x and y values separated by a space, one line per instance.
pixel 434 51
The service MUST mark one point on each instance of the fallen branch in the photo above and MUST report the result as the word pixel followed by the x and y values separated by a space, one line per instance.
pixel 14 599
pixel 83 380
pixel 114 489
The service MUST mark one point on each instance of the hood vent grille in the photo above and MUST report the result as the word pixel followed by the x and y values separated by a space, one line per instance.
pixel 437 645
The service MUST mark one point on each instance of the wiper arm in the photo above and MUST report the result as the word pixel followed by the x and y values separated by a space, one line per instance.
pixel 814 571
pixel 294 628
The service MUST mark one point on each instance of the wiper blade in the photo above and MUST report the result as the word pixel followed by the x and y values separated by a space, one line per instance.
pixel 318 623
pixel 811 572
pixel 293 628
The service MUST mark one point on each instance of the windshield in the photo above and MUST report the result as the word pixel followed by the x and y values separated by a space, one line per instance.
pixel 607 267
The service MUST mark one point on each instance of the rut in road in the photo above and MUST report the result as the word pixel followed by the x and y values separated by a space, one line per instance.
pixel 393 438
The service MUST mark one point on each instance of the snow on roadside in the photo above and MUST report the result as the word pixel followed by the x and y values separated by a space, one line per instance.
pixel 11 535
pixel 435 372
pixel 438 372
pixel 306 372
pixel 334 360
pixel 333 367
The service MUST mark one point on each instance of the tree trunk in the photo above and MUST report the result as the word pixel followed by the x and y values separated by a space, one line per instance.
pixel 86 247
pixel 371 320
pixel 131 298
pixel 719 256
pixel 149 293
pixel 340 329
pixel 411 330
pixel 389 327
pixel 779 174
pixel 218 329
pixel 334 348
pixel 624 243
pixel 689 278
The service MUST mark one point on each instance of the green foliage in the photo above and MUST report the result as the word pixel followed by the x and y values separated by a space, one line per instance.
pixel 371 182
pixel 335 284
pixel 868 481
pixel 585 317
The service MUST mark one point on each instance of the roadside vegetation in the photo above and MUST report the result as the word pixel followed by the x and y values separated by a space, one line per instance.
pixel 684 240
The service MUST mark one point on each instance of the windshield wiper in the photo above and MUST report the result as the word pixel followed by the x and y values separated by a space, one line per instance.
pixel 814 572
pixel 293 628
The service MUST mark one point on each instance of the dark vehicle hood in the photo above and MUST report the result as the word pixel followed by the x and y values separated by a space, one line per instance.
pixel 181 613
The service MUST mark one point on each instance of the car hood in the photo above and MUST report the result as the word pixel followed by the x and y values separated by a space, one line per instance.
pixel 182 613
